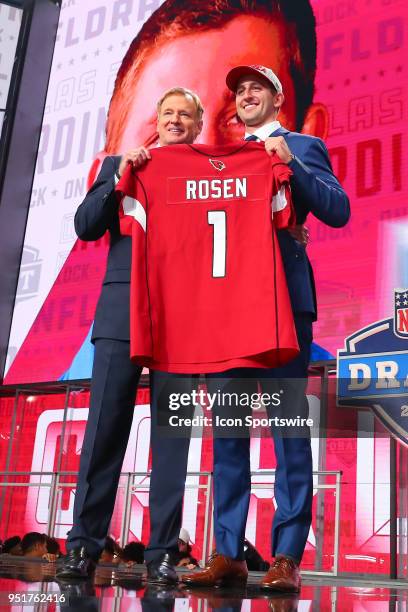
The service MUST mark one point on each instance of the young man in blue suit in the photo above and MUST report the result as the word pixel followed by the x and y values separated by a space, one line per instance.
pixel 259 97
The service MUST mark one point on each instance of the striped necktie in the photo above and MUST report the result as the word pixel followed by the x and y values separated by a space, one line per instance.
pixel 252 138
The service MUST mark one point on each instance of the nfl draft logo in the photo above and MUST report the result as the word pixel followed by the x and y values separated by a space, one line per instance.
pixel 401 313
pixel 217 164
pixel 372 369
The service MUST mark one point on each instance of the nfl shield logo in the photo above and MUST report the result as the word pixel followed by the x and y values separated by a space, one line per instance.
pixel 401 313
pixel 372 369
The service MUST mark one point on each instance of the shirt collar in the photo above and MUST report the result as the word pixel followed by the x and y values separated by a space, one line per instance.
pixel 265 130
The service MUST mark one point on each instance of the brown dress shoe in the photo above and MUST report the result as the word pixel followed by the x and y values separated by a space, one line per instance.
pixel 219 570
pixel 282 604
pixel 283 575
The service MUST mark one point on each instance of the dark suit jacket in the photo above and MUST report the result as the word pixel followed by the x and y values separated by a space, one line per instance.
pixel 315 190
pixel 97 214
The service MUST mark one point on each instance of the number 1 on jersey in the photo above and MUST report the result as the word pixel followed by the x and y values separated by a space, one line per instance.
pixel 218 219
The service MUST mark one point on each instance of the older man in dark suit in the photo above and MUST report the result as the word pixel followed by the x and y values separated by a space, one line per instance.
pixel 115 378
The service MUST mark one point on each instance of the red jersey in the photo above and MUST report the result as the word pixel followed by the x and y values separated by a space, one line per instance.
pixel 208 289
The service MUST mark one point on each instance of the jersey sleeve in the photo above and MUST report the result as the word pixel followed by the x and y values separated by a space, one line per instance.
pixel 283 212
pixel 132 202
pixel 133 222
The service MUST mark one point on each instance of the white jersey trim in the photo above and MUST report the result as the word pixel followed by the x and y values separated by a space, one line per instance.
pixel 134 209
pixel 279 201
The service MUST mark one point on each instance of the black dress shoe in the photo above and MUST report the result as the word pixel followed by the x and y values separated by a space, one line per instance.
pixel 161 571
pixel 76 591
pixel 76 564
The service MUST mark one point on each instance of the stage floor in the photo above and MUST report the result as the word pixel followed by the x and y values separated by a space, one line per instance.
pixel 31 585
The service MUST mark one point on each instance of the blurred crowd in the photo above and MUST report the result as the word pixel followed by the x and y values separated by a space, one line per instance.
pixel 40 546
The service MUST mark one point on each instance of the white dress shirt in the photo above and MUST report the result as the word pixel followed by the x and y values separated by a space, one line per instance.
pixel 265 130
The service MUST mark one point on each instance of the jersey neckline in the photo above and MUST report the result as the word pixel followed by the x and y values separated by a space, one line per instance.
pixel 219 150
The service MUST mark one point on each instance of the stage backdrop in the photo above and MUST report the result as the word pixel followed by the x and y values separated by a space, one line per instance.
pixel 359 107
pixel 42 441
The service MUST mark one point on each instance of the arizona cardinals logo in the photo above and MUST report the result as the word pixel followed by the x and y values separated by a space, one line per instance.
pixel 217 164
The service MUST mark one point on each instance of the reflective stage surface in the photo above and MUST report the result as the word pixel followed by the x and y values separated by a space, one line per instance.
pixel 31 585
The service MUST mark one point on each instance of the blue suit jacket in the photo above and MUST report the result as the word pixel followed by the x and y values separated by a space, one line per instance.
pixel 315 190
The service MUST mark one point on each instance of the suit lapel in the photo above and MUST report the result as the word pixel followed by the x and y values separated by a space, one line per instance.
pixel 281 131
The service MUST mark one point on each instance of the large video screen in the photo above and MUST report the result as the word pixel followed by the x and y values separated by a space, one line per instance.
pixel 352 94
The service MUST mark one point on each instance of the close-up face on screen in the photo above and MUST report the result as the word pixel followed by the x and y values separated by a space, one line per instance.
pixel 347 89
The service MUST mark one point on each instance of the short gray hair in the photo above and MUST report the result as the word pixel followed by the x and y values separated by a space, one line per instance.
pixel 182 91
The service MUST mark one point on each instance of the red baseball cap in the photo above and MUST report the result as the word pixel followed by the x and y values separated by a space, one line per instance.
pixel 266 73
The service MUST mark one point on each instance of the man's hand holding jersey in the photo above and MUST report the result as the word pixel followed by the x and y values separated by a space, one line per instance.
pixel 278 145
pixel 137 157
